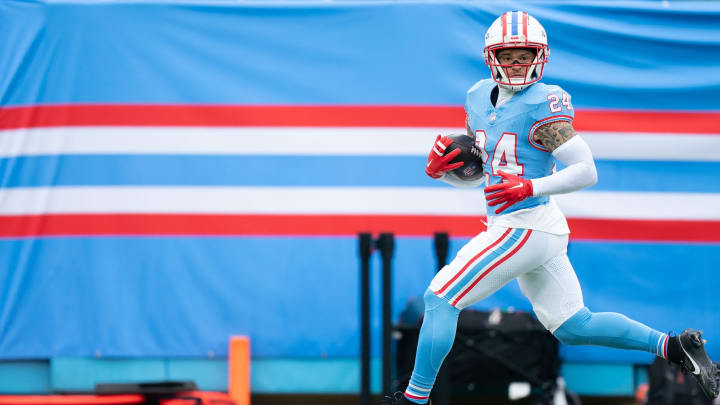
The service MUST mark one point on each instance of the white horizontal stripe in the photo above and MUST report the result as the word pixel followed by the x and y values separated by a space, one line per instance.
pixel 241 140
pixel 339 200
pixel 640 205
pixel 418 389
pixel 318 141
pixel 638 146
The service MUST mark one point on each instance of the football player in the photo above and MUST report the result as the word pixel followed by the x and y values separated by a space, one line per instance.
pixel 522 127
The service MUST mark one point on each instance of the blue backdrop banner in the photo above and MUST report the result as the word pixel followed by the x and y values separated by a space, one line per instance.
pixel 175 172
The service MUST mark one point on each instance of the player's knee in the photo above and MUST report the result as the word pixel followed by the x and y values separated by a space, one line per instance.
pixel 572 331
pixel 566 337
pixel 433 302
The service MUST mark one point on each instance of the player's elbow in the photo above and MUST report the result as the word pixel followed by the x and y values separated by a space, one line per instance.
pixel 591 177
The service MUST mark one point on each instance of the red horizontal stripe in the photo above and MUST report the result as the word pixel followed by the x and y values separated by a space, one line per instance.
pixel 333 225
pixel 331 116
pixel 409 395
pixel 648 121
pixel 191 224
pixel 224 116
pixel 72 399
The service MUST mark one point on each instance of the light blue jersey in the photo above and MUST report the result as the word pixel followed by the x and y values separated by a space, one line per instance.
pixel 504 134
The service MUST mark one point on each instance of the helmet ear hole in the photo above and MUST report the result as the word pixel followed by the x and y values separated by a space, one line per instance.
pixel 543 54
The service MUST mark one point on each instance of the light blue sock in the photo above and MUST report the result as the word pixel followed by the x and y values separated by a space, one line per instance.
pixel 437 335
pixel 612 330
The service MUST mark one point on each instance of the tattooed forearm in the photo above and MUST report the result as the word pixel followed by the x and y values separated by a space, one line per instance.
pixel 554 134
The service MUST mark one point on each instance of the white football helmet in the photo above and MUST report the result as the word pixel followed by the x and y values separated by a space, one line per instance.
pixel 516 29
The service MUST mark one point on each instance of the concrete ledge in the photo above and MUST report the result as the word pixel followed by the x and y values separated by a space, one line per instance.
pixel 268 376
pixel 25 377
pixel 599 379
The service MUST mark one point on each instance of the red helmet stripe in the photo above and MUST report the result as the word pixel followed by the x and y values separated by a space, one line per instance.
pixel 524 24
pixel 504 25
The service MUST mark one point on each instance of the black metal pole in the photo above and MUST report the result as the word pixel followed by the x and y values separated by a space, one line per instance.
pixel 387 246
pixel 442 387
pixel 442 244
pixel 365 247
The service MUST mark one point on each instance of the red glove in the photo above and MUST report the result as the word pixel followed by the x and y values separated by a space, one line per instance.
pixel 438 163
pixel 513 189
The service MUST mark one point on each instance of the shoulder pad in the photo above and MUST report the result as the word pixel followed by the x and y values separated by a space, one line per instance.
pixel 480 85
pixel 477 93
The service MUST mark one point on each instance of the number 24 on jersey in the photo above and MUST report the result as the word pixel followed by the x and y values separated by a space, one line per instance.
pixel 554 101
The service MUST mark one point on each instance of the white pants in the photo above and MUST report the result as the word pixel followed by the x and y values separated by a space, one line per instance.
pixel 537 259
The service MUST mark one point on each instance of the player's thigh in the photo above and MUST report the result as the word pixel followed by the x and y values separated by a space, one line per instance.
pixel 488 262
pixel 554 291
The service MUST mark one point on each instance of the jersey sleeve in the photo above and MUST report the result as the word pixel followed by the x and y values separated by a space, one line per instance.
pixel 467 101
pixel 471 96
pixel 552 105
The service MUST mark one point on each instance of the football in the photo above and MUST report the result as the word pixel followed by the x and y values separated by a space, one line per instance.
pixel 470 155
